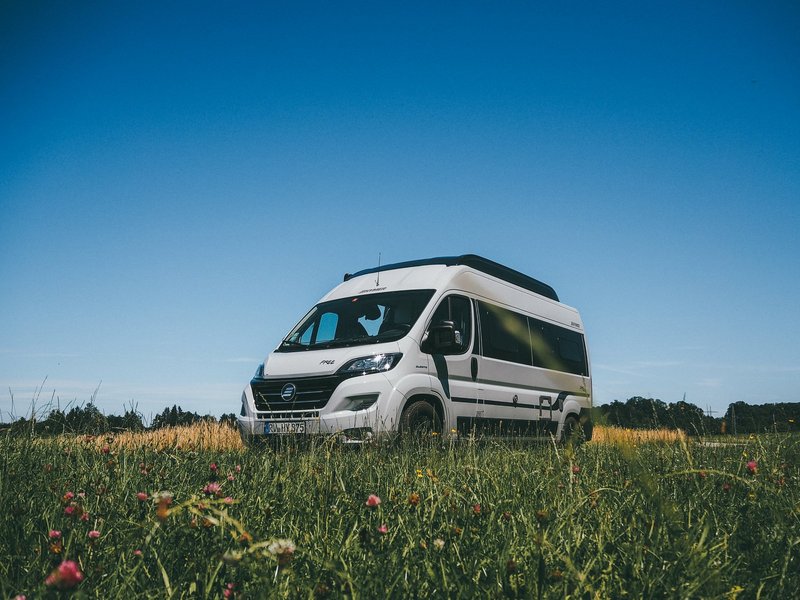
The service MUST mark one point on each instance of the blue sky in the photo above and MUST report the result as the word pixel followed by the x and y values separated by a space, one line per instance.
pixel 180 183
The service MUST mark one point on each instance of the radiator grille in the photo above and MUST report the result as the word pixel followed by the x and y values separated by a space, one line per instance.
pixel 309 393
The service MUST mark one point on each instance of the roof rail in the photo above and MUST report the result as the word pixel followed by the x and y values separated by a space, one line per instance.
pixel 476 262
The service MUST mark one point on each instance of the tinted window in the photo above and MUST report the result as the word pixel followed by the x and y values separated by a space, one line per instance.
pixel 543 340
pixel 557 348
pixel 504 334
pixel 457 309
pixel 510 336
pixel 571 351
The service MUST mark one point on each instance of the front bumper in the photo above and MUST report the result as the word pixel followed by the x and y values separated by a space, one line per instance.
pixel 357 409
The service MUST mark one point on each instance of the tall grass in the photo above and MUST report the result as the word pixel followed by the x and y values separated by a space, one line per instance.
pixel 204 435
pixel 220 437
pixel 485 519
pixel 634 437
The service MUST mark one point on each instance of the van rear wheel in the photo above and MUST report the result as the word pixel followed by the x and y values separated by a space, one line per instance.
pixel 420 420
pixel 572 432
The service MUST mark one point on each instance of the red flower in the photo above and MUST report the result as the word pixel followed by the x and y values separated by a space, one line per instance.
pixel 213 467
pixel 66 576
pixel 575 469
pixel 476 509
pixel 383 528
pixel 212 488
pixel 752 466
pixel 142 496
pixel 54 534
pixel 93 534
pixel 373 501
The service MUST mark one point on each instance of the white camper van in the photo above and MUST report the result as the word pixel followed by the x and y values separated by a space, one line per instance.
pixel 456 345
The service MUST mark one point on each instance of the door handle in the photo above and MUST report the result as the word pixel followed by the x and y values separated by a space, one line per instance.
pixel 474 368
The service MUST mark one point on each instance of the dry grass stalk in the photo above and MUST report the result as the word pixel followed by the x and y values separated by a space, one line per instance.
pixel 221 437
pixel 204 435
pixel 632 437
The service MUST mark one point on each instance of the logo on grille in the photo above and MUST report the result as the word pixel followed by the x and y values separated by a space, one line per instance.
pixel 288 392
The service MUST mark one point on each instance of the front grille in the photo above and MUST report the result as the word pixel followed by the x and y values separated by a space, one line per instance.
pixel 289 415
pixel 311 393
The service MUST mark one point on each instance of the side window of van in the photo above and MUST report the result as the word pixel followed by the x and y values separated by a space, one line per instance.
pixel 457 309
pixel 504 334
pixel 543 340
pixel 558 348
pixel 572 352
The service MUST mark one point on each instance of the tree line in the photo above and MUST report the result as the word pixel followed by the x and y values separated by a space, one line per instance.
pixel 634 413
pixel 740 418
pixel 88 419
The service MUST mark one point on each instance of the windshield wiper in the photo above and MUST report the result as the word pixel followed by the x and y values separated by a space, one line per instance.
pixel 345 342
pixel 292 344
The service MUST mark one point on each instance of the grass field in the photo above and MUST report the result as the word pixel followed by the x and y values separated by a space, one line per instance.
pixel 191 514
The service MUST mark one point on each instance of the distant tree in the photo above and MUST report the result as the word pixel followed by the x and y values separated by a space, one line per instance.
pixel 614 414
pixel 761 418
pixel 22 426
pixel 172 417
pixel 649 413
pixel 637 413
pixel 686 416
pixel 86 419
pixel 130 421
pixel 56 422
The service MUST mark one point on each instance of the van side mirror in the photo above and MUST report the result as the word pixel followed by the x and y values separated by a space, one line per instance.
pixel 441 338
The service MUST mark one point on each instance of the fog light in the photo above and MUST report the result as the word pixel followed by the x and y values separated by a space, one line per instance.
pixel 362 402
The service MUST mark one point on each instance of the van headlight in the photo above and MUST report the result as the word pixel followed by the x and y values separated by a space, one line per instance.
pixel 377 363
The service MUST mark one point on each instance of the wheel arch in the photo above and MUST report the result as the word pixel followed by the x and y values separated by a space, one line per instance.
pixel 583 419
pixel 431 399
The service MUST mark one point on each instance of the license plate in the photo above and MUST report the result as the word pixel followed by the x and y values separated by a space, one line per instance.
pixel 284 427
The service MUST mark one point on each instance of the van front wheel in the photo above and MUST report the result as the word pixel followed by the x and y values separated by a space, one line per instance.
pixel 420 420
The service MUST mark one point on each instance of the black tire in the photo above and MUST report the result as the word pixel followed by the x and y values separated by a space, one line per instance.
pixel 571 432
pixel 420 420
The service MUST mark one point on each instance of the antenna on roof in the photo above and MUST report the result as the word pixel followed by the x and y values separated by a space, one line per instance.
pixel 378 278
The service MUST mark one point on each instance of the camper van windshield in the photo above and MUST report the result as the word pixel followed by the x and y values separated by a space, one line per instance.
pixel 357 320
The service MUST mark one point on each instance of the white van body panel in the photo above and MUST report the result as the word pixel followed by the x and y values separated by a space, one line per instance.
pixel 470 389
